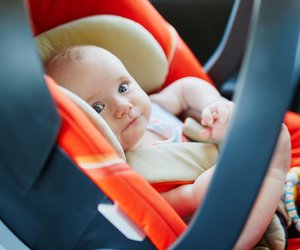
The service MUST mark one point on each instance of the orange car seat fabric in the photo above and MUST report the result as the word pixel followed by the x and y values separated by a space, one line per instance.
pixel 292 120
pixel 98 160
pixel 184 63
pixel 166 186
pixel 293 244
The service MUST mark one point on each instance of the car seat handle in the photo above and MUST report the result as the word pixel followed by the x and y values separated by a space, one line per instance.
pixel 265 85
pixel 29 121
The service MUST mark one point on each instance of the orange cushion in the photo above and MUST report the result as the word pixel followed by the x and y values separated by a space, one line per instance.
pixel 292 120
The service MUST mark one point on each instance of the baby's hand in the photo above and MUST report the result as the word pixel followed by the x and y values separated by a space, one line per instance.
pixel 215 118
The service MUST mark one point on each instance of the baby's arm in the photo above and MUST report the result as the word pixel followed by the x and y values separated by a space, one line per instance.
pixel 185 199
pixel 199 96
pixel 189 92
pixel 270 194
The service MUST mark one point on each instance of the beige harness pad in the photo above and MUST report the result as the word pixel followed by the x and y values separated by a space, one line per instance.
pixel 174 161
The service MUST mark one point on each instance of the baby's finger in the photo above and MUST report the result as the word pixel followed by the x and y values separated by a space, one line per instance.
pixel 231 107
pixel 207 117
pixel 223 114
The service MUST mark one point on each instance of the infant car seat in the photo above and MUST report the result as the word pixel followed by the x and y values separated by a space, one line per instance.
pixel 75 222
pixel 181 61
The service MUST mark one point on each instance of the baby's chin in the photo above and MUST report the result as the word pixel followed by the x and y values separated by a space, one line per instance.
pixel 133 137
pixel 131 143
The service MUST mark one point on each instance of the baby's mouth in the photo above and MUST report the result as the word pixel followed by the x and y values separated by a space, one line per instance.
pixel 130 123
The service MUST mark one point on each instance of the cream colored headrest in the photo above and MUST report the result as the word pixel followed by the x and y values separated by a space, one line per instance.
pixel 129 41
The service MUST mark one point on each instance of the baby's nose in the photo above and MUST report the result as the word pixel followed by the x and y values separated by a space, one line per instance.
pixel 123 108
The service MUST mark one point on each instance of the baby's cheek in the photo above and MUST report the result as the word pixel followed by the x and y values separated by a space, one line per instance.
pixel 114 128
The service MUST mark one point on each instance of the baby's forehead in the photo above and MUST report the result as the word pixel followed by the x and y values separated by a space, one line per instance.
pixel 94 51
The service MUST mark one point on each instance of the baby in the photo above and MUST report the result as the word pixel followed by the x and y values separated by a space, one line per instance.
pixel 98 77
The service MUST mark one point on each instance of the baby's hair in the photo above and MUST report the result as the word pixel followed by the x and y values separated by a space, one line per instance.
pixel 63 57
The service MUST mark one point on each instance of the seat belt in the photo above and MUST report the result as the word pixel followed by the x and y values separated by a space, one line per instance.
pixel 265 86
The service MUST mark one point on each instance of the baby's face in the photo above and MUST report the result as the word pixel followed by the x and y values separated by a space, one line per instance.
pixel 103 81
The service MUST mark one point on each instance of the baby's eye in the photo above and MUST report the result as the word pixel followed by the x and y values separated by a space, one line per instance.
pixel 98 107
pixel 123 88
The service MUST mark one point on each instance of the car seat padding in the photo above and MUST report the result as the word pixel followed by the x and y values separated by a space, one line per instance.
pixel 129 41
